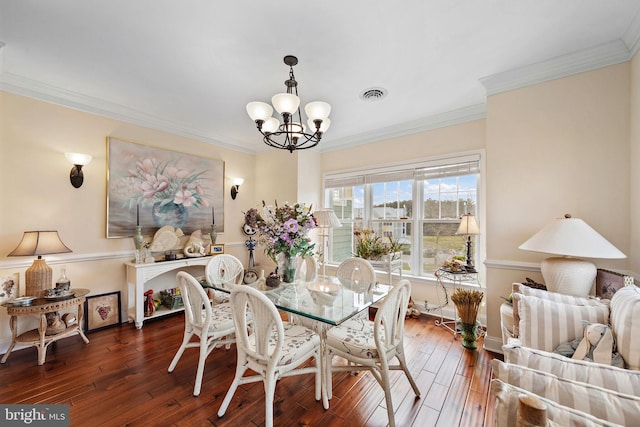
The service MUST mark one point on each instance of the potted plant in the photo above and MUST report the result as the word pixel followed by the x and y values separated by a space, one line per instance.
pixel 372 247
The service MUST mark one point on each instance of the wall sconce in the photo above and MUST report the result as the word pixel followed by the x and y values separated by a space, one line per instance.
pixel 235 188
pixel 78 160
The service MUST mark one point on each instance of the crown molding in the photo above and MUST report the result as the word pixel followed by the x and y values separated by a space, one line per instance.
pixel 631 37
pixel 611 53
pixel 450 118
pixel 2 45
pixel 19 85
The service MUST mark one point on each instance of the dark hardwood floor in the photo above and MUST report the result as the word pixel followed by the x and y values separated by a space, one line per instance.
pixel 120 378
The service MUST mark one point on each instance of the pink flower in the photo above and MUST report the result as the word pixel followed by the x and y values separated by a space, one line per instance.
pixel 184 197
pixel 153 185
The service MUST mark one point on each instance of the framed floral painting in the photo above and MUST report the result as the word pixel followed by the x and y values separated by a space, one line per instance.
pixel 102 311
pixel 153 187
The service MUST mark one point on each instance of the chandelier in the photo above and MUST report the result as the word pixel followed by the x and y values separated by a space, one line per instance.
pixel 291 134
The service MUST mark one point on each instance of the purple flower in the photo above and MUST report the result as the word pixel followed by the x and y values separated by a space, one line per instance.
pixel 291 226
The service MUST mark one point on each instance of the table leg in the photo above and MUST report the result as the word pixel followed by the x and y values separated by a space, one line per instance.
pixel 325 370
pixel 13 324
pixel 81 322
pixel 42 349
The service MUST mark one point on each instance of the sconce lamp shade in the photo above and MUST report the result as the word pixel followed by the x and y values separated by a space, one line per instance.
pixel 570 237
pixel 38 277
pixel 78 160
pixel 235 188
pixel 468 225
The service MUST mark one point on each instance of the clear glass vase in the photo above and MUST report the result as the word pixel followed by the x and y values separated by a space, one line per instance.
pixel 287 265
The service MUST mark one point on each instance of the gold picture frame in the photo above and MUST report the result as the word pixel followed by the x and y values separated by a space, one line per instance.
pixel 217 249
pixel 153 187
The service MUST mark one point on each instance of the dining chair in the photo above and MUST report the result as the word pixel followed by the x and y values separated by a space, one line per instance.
pixel 273 349
pixel 372 345
pixel 360 274
pixel 358 270
pixel 223 269
pixel 212 324
pixel 307 269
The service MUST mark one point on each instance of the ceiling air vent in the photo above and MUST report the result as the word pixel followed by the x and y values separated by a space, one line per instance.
pixel 373 94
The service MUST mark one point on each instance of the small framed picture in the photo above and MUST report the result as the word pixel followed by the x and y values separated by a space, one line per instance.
pixel 9 285
pixel 102 311
pixel 217 249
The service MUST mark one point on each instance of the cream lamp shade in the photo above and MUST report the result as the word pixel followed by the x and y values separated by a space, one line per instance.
pixel 571 238
pixel 468 227
pixel 38 277
pixel 325 219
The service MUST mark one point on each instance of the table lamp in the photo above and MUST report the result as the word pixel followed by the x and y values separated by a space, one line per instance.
pixel 325 219
pixel 38 277
pixel 468 227
pixel 570 237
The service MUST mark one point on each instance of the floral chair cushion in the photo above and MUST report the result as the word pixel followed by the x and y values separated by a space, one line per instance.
pixel 221 317
pixel 355 336
pixel 297 340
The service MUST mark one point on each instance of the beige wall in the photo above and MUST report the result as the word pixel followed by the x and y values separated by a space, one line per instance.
pixel 634 164
pixel 34 184
pixel 554 148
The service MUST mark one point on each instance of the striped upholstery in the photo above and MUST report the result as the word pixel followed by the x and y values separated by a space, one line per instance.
pixel 625 313
pixel 604 404
pixel 597 374
pixel 551 296
pixel 545 324
pixel 507 402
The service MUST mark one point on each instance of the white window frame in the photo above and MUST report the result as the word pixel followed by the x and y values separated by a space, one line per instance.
pixel 416 220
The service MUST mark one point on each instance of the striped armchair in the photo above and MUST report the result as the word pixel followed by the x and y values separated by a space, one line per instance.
pixel 574 392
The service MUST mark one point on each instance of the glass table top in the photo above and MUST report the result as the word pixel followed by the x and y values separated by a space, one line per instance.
pixel 325 299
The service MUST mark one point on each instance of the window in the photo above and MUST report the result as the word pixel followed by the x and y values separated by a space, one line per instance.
pixel 418 205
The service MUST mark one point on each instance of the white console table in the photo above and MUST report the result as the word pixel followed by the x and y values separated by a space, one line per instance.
pixel 138 275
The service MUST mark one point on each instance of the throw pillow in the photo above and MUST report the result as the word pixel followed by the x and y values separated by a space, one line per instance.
pixel 625 319
pixel 604 404
pixel 545 324
pixel 605 376
pixel 608 283
pixel 553 296
pixel 508 400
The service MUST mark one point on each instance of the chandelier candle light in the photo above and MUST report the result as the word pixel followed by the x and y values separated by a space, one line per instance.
pixel 291 134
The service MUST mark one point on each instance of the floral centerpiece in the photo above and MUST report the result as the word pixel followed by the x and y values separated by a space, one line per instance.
pixel 169 188
pixel 283 232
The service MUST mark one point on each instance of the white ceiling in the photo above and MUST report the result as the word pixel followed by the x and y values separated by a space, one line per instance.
pixel 190 66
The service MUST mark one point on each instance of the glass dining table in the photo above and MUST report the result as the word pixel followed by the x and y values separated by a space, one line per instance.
pixel 326 301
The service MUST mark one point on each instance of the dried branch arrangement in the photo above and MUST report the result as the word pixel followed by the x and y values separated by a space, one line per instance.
pixel 467 303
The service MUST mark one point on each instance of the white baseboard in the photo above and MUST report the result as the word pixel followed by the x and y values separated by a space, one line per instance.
pixel 493 344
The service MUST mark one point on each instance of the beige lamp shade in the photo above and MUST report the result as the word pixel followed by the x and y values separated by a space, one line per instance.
pixel 570 237
pixel 468 225
pixel 326 218
pixel 38 277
